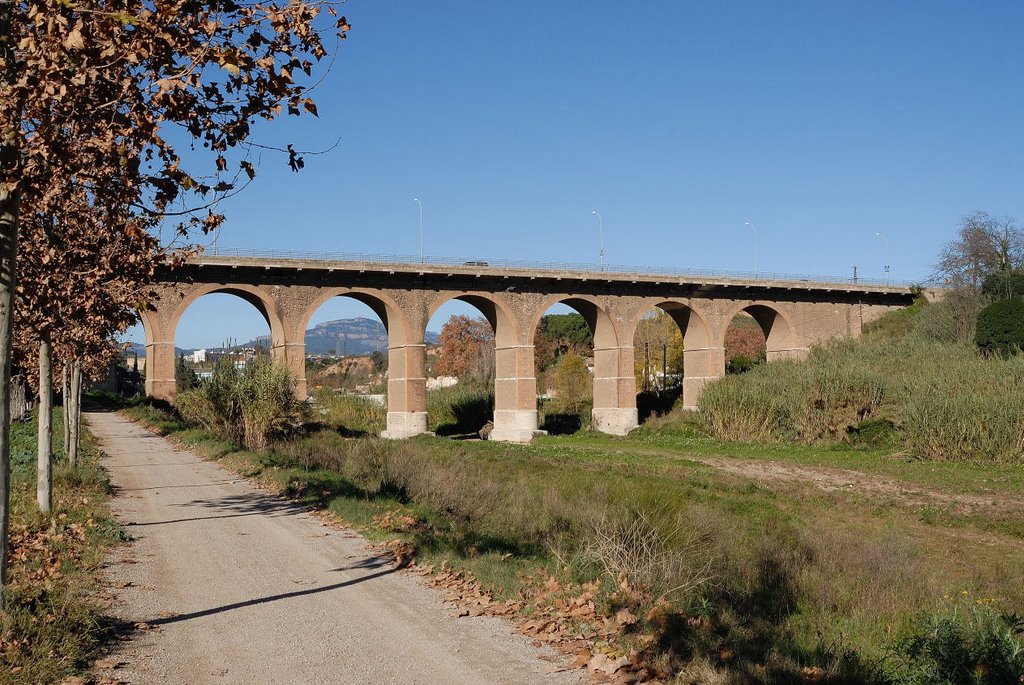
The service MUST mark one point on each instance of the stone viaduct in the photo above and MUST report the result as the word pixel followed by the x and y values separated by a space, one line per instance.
pixel 794 315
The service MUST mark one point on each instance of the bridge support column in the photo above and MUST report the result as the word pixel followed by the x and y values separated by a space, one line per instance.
pixel 293 356
pixel 614 391
pixel 700 367
pixel 160 381
pixel 515 395
pixel 407 391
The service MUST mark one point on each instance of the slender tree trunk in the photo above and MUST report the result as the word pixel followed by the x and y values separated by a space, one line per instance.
pixel 44 482
pixel 8 248
pixel 76 411
pixel 65 396
pixel 18 400
pixel 9 205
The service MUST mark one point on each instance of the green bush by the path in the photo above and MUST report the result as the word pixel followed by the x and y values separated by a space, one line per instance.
pixel 250 406
pixel 945 400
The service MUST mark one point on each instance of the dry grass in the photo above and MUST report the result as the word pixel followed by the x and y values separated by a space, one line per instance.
pixel 945 401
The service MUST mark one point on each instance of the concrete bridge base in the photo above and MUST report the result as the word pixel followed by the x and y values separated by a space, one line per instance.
pixel 615 421
pixel 515 425
pixel 405 424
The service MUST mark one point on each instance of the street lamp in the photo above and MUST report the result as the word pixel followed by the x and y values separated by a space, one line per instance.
pixel 417 201
pixel 754 228
pixel 886 241
pixel 600 223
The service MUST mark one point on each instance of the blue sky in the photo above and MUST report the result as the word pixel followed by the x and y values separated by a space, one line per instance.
pixel 820 122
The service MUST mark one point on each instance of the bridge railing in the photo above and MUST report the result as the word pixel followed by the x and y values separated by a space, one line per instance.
pixel 555 267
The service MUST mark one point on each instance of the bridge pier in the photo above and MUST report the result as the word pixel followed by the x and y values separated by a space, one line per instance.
pixel 160 381
pixel 614 410
pixel 700 367
pixel 515 394
pixel 407 391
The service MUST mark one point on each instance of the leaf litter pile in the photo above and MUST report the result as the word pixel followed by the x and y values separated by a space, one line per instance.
pixel 52 630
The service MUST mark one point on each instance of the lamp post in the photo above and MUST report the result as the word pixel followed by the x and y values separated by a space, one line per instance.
pixel 754 229
pixel 600 223
pixel 886 241
pixel 417 201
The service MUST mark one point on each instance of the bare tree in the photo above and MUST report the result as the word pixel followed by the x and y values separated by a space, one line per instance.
pixel 987 250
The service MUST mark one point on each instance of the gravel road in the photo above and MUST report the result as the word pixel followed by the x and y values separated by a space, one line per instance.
pixel 242 587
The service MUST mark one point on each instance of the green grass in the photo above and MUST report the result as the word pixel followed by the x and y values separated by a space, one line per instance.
pixel 54 626
pixel 801 576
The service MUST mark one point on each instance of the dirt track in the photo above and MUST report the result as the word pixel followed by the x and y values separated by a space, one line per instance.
pixel 237 586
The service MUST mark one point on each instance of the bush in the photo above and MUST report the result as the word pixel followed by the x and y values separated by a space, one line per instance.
pixel 1000 328
pixel 972 645
pixel 572 385
pixel 247 406
pixel 460 409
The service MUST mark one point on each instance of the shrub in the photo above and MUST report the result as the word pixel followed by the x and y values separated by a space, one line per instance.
pixel 1000 328
pixel 460 409
pixel 972 645
pixel 572 385
pixel 247 406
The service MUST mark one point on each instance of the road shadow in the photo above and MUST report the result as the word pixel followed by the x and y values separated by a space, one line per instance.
pixel 232 506
pixel 265 600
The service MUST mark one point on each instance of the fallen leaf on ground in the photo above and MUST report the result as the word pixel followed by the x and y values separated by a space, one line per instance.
pixel 108 662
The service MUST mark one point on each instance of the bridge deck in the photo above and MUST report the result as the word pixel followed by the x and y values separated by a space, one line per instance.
pixel 434 266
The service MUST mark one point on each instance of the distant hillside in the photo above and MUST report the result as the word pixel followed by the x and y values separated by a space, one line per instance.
pixel 344 337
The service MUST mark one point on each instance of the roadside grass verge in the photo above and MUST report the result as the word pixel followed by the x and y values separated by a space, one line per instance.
pixel 53 627
pixel 714 571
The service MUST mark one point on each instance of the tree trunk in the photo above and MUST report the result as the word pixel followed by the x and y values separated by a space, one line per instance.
pixel 8 248
pixel 65 396
pixel 76 411
pixel 44 482
pixel 19 402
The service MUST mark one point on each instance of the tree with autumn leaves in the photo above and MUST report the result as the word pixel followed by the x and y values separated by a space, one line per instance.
pixel 467 349
pixel 96 97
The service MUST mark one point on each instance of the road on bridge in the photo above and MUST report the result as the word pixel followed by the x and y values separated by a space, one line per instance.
pixel 243 587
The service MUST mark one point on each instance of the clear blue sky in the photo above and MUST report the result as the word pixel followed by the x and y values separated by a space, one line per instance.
pixel 820 122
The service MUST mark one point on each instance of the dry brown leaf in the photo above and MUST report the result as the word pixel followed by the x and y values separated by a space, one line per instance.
pixel 108 662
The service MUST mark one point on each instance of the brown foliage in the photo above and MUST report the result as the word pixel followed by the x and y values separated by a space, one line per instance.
pixel 94 97
pixel 467 348
pixel 744 338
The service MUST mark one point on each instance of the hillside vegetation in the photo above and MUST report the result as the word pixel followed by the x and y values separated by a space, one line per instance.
pixel 907 382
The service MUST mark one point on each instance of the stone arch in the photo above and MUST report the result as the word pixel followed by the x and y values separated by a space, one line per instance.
pixel 499 314
pixel 703 360
pixel 254 295
pixel 383 305
pixel 161 326
pixel 614 384
pixel 407 392
pixel 781 338
pixel 515 388
pixel 597 316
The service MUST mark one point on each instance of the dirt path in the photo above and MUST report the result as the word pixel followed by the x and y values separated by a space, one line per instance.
pixel 832 479
pixel 241 587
